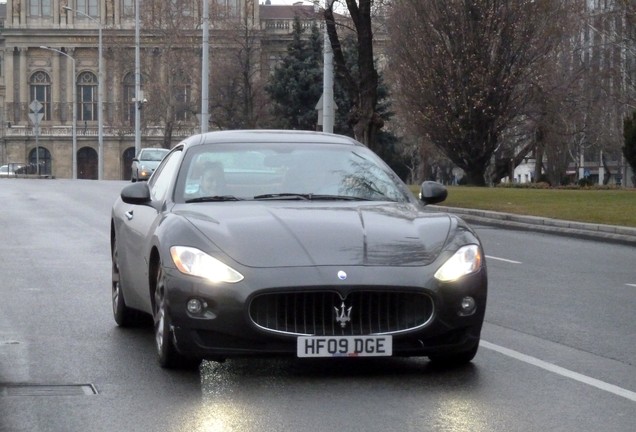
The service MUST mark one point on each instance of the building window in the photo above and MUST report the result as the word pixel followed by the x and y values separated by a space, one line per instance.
pixel 184 7
pixel 227 8
pixel 182 99
pixel 87 96
pixel 128 8
pixel 40 8
pixel 40 90
pixel 129 98
pixel 89 7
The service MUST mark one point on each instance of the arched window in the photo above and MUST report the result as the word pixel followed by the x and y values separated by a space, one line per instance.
pixel 129 98
pixel 43 157
pixel 40 90
pixel 87 96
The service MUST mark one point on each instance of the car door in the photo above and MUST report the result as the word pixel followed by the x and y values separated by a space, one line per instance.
pixel 137 231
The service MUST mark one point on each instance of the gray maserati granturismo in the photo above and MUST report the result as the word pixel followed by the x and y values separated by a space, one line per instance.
pixel 289 243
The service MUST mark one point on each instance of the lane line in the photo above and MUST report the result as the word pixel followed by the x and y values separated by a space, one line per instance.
pixel 502 259
pixel 602 385
pixel 631 285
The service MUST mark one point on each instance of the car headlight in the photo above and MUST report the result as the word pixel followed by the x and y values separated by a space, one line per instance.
pixel 467 260
pixel 194 262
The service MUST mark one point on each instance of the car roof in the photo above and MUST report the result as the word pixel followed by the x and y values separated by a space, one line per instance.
pixel 269 136
pixel 153 149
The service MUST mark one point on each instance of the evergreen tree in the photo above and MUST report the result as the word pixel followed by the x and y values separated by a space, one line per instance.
pixel 629 132
pixel 296 85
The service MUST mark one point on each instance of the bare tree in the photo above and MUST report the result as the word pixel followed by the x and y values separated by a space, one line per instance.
pixel 238 99
pixel 465 69
pixel 172 70
pixel 362 85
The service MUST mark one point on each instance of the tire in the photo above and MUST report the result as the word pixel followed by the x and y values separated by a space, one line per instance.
pixel 167 355
pixel 124 316
pixel 452 360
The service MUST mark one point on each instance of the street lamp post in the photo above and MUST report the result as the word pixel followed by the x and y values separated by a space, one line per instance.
pixel 100 96
pixel 74 108
pixel 205 66
pixel 137 81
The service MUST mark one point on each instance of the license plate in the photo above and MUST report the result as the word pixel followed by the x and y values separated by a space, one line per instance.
pixel 345 346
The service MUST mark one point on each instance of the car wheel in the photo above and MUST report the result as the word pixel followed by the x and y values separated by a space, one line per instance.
pixel 167 354
pixel 454 359
pixel 124 316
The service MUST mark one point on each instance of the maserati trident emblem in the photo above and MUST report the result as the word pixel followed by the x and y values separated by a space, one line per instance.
pixel 343 314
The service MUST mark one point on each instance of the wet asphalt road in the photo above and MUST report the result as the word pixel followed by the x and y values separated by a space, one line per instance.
pixel 558 351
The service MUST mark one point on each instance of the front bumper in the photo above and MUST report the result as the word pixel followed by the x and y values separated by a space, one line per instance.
pixel 227 330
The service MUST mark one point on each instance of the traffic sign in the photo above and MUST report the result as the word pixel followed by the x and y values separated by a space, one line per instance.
pixel 36 106
pixel 36 118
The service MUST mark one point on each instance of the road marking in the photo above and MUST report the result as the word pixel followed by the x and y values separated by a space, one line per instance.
pixel 503 259
pixel 602 385
pixel 631 285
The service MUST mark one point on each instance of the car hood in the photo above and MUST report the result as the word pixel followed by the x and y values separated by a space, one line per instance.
pixel 288 235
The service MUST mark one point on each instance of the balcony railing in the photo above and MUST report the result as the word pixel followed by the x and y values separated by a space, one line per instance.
pixel 92 131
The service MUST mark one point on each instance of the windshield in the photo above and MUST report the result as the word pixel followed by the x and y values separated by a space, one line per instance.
pixel 220 172
pixel 153 155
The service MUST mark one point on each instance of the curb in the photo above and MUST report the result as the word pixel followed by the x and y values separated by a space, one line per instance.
pixel 608 233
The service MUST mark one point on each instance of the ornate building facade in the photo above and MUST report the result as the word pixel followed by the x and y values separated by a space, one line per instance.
pixel 49 76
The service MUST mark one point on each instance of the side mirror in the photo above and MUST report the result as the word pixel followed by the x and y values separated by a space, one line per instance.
pixel 136 193
pixel 433 192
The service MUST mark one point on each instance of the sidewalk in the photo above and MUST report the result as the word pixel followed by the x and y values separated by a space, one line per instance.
pixel 609 233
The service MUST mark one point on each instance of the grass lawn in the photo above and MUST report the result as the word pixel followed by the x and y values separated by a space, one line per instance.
pixel 612 207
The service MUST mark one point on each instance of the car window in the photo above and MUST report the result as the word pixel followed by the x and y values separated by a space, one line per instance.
pixel 162 177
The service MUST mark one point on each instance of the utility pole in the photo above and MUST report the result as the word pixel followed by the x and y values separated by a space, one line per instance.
pixel 328 109
pixel 205 67
pixel 138 101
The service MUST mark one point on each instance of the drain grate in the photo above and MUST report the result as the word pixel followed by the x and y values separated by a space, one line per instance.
pixel 47 390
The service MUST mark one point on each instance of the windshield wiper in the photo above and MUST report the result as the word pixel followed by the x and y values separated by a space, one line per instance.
pixel 288 196
pixel 214 198
pixel 310 196
pixel 338 197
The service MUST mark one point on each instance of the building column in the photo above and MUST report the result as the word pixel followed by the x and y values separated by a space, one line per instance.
pixel 9 97
pixel 56 11
pixel 70 83
pixel 23 14
pixel 23 87
pixel 55 87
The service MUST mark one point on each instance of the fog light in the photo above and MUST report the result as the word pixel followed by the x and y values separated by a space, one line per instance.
pixel 467 306
pixel 195 306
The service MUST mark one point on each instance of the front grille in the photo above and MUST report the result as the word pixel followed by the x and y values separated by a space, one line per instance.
pixel 314 313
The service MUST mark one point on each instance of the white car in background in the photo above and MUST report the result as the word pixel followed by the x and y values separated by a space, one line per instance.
pixel 144 164
pixel 10 169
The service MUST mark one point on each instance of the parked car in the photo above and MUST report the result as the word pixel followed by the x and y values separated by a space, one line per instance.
pixel 11 170
pixel 307 245
pixel 144 164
